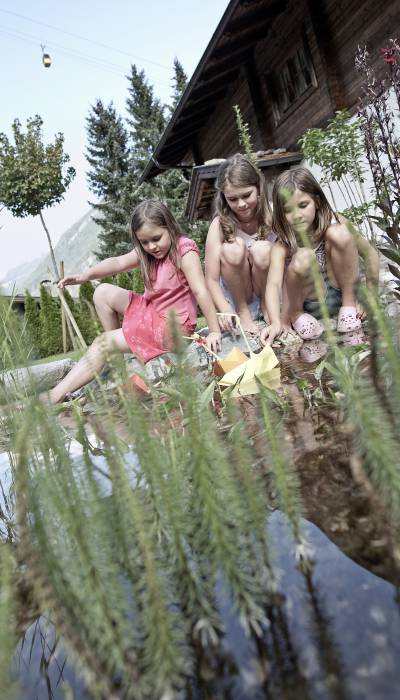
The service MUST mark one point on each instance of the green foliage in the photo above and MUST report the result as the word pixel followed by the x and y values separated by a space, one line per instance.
pixel 244 134
pixel 7 634
pixel 180 83
pixel 85 313
pixel 117 156
pixel 32 321
pixel 15 342
pixel 50 323
pixel 32 175
pixel 339 151
pixel 379 125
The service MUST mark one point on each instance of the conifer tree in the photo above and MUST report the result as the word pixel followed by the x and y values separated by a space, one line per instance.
pixel 146 119
pixel 108 156
pixel 50 324
pixel 32 321
pixel 180 83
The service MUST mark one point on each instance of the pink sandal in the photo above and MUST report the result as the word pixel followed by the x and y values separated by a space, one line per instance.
pixel 347 319
pixel 313 350
pixel 307 327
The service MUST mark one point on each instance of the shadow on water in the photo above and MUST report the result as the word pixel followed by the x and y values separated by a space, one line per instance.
pixel 332 632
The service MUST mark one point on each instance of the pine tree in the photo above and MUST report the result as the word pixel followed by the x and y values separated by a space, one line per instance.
pixel 32 321
pixel 146 119
pixel 108 156
pixel 180 83
pixel 50 324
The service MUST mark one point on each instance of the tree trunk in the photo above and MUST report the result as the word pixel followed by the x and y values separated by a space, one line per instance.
pixel 53 257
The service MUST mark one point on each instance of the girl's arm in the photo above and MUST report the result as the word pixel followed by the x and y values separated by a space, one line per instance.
pixel 273 293
pixel 191 268
pixel 213 270
pixel 105 268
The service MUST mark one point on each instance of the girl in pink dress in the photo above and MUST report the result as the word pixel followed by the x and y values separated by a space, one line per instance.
pixel 173 279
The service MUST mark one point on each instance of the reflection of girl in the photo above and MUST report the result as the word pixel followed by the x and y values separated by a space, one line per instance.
pixel 173 279
pixel 300 204
pixel 237 252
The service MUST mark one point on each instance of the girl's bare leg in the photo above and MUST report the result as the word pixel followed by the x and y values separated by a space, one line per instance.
pixel 90 364
pixel 298 282
pixel 260 257
pixel 236 273
pixel 342 258
pixel 109 301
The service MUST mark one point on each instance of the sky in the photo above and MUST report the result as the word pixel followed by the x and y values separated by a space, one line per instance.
pixel 92 45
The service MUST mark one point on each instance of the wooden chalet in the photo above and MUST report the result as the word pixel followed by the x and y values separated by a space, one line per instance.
pixel 289 65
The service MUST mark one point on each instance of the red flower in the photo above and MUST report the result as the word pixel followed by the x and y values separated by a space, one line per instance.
pixel 389 56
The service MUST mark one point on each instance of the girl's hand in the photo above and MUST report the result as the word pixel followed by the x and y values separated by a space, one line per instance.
pixel 228 322
pixel 268 335
pixel 213 341
pixel 72 279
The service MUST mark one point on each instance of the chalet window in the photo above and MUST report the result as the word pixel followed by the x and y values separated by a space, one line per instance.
pixel 291 82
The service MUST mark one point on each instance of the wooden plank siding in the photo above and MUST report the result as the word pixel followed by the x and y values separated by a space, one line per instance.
pixel 328 29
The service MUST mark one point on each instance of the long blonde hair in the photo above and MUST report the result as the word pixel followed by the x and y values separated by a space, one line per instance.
pixel 286 183
pixel 239 171
pixel 154 213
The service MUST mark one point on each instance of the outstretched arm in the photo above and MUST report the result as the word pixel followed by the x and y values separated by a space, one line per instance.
pixel 191 267
pixel 105 268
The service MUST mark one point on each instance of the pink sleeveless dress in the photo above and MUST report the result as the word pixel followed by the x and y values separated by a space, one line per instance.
pixel 145 322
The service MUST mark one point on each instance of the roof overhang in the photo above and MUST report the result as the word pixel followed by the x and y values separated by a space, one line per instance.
pixel 243 24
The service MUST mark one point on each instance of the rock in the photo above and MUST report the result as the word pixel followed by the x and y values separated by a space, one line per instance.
pixel 43 376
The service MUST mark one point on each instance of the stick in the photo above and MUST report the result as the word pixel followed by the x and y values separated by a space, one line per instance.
pixel 69 314
pixel 193 337
pixel 221 313
pixel 63 319
pixel 71 318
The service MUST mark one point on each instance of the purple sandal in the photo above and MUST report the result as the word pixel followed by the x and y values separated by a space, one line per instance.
pixel 307 327
pixel 347 319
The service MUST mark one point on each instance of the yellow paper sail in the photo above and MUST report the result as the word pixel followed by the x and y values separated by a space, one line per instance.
pixel 233 359
pixel 261 366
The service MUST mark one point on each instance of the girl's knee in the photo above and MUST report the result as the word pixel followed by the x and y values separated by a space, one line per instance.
pixel 233 253
pixel 260 254
pixel 301 262
pixel 102 292
pixel 340 238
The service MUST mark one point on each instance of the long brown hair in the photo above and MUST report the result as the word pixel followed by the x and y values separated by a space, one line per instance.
pixel 239 171
pixel 286 183
pixel 154 213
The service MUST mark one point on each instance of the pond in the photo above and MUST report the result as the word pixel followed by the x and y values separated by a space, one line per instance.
pixel 332 630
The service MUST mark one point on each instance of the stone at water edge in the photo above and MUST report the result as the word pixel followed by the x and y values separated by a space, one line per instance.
pixel 44 376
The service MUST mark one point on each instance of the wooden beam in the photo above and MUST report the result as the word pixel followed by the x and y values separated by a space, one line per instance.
pixel 259 103
pixel 323 37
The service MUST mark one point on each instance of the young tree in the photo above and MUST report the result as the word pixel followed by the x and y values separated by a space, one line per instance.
pixel 33 176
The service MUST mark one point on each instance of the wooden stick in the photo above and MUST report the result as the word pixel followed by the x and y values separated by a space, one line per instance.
pixel 193 337
pixel 71 317
pixel 63 319
pixel 222 313
pixel 69 314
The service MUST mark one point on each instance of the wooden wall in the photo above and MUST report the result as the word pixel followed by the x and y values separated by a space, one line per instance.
pixel 333 29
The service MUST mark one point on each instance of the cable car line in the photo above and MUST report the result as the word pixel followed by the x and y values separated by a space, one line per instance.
pixel 82 38
pixel 94 62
